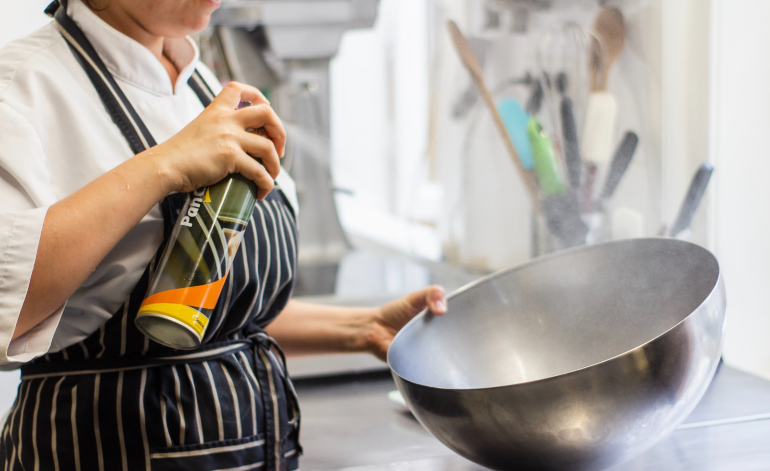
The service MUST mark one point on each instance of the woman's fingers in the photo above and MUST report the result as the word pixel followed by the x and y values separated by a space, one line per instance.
pixel 254 171
pixel 234 93
pixel 229 98
pixel 431 297
pixel 263 116
pixel 436 299
pixel 251 94
pixel 264 149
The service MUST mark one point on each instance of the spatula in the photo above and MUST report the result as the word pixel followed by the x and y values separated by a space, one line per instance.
pixel 470 62
pixel 601 112
pixel 516 120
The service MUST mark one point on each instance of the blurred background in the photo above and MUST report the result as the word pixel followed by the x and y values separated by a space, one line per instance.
pixel 405 180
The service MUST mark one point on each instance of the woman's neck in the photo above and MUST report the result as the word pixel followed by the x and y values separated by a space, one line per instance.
pixel 117 17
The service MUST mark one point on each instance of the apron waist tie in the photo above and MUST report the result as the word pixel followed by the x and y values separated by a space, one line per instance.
pixel 261 347
pixel 113 364
pixel 275 427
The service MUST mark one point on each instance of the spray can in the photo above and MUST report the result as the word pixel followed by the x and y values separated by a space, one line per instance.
pixel 193 269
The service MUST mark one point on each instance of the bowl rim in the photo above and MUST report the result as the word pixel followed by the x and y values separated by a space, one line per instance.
pixel 719 281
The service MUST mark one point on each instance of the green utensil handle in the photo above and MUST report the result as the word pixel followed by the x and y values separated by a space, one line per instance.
pixel 547 167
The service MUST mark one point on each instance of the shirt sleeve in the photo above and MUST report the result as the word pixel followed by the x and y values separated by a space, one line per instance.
pixel 25 195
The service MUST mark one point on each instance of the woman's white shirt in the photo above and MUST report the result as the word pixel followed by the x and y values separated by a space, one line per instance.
pixel 56 137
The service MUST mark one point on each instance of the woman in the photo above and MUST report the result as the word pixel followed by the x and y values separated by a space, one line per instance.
pixel 82 103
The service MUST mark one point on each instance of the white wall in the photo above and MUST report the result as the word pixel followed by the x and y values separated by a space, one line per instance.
pixel 379 106
pixel 741 124
pixel 18 17
pixel 379 127
pixel 685 108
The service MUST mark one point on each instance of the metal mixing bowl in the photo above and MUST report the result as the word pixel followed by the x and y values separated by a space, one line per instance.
pixel 575 361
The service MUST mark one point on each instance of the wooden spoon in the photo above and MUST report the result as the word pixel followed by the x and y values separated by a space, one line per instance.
pixel 610 30
pixel 470 62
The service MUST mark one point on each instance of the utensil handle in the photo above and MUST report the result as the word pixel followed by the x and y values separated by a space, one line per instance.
pixel 547 166
pixel 587 192
pixel 619 165
pixel 693 198
pixel 571 145
pixel 527 177
pixel 469 61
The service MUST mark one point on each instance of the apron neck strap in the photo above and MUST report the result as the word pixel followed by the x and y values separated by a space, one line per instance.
pixel 201 88
pixel 50 10
pixel 119 108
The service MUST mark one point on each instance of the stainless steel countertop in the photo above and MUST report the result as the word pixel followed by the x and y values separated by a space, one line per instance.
pixel 348 423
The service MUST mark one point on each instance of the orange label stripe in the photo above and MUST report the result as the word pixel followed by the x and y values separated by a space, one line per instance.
pixel 203 296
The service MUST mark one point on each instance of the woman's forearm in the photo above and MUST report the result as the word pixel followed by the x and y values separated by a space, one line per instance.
pixel 80 230
pixel 307 329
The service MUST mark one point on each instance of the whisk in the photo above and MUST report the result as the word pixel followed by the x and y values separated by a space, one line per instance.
pixel 564 59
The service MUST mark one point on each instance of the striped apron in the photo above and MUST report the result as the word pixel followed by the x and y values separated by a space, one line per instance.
pixel 117 401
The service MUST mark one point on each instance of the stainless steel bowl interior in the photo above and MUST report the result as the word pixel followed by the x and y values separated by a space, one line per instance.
pixel 556 315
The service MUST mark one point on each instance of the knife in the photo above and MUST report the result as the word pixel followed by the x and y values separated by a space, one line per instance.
pixel 571 146
pixel 693 198
pixel 619 165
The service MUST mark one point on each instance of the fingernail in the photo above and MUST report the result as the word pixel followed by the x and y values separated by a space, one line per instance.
pixel 441 306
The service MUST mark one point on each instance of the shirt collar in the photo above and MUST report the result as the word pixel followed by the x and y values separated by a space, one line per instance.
pixel 130 61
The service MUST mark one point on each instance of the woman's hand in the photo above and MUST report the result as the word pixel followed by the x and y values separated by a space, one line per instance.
pixel 216 144
pixel 312 329
pixel 391 317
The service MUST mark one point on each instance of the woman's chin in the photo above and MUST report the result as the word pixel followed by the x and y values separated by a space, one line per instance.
pixel 196 25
